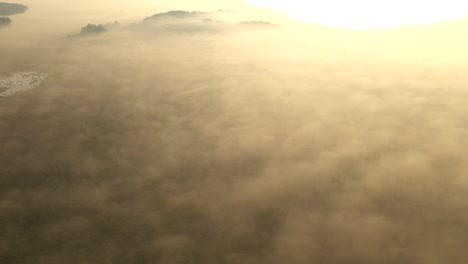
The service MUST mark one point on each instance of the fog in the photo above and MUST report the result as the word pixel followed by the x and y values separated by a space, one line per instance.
pixel 238 144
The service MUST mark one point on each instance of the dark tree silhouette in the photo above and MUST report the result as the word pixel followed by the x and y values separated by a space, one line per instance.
pixel 91 29
pixel 5 21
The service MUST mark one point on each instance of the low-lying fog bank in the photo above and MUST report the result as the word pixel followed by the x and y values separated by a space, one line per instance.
pixel 293 145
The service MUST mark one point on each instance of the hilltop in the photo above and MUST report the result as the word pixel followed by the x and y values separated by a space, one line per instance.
pixel 181 21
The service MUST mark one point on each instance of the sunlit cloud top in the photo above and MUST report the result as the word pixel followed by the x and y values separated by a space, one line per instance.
pixel 368 14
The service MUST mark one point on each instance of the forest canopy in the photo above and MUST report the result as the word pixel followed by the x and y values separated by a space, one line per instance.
pixel 5 21
pixel 93 29
pixel 200 21
pixel 177 14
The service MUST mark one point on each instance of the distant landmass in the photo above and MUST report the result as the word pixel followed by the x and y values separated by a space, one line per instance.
pixel 198 21
pixel 94 29
pixel 7 9
pixel 177 14
pixel 180 21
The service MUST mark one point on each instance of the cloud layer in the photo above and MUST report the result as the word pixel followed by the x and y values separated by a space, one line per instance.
pixel 299 145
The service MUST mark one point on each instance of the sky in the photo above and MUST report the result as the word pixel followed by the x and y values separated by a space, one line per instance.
pixel 366 14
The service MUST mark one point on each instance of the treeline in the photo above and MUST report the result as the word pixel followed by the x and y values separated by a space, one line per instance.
pixel 7 9
pixel 259 23
pixel 180 14
pixel 176 14
pixel 92 29
pixel 197 21
pixel 5 21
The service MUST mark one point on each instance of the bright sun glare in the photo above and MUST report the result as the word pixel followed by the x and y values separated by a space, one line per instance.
pixel 368 14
